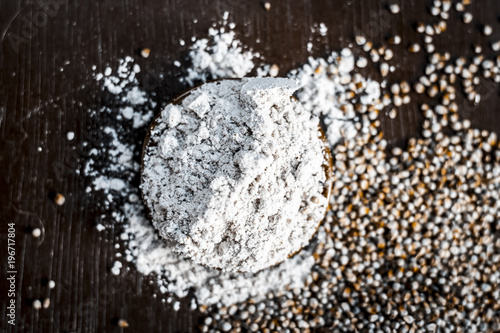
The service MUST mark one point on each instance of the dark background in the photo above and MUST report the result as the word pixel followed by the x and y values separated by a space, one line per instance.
pixel 46 88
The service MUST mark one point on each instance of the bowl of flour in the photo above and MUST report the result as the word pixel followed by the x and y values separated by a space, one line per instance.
pixel 236 175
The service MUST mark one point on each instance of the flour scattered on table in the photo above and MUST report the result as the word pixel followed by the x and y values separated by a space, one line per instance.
pixel 327 89
pixel 114 168
pixel 221 55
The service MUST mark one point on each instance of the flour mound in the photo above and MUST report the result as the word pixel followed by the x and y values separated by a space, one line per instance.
pixel 234 175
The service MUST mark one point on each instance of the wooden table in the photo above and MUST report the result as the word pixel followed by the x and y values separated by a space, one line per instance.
pixel 46 87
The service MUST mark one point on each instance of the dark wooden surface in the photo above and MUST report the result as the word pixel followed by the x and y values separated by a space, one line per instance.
pixel 46 88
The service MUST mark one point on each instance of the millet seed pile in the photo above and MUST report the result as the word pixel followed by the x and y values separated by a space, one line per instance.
pixel 413 241
pixel 413 234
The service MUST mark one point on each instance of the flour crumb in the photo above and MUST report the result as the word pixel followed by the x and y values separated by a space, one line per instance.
pixel 128 112
pixel 116 268
pixel 177 306
pixel 322 29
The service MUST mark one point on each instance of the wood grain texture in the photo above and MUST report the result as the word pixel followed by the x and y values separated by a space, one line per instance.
pixel 46 88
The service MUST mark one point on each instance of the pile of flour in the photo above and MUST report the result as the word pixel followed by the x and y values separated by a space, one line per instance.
pixel 234 175
pixel 221 55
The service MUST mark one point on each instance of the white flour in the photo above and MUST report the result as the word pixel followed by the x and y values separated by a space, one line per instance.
pixel 143 248
pixel 218 57
pixel 221 55
pixel 233 177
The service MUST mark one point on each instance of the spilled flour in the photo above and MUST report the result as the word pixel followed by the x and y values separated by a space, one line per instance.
pixel 218 57
pixel 221 55
pixel 234 174
pixel 115 178
pixel 325 87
